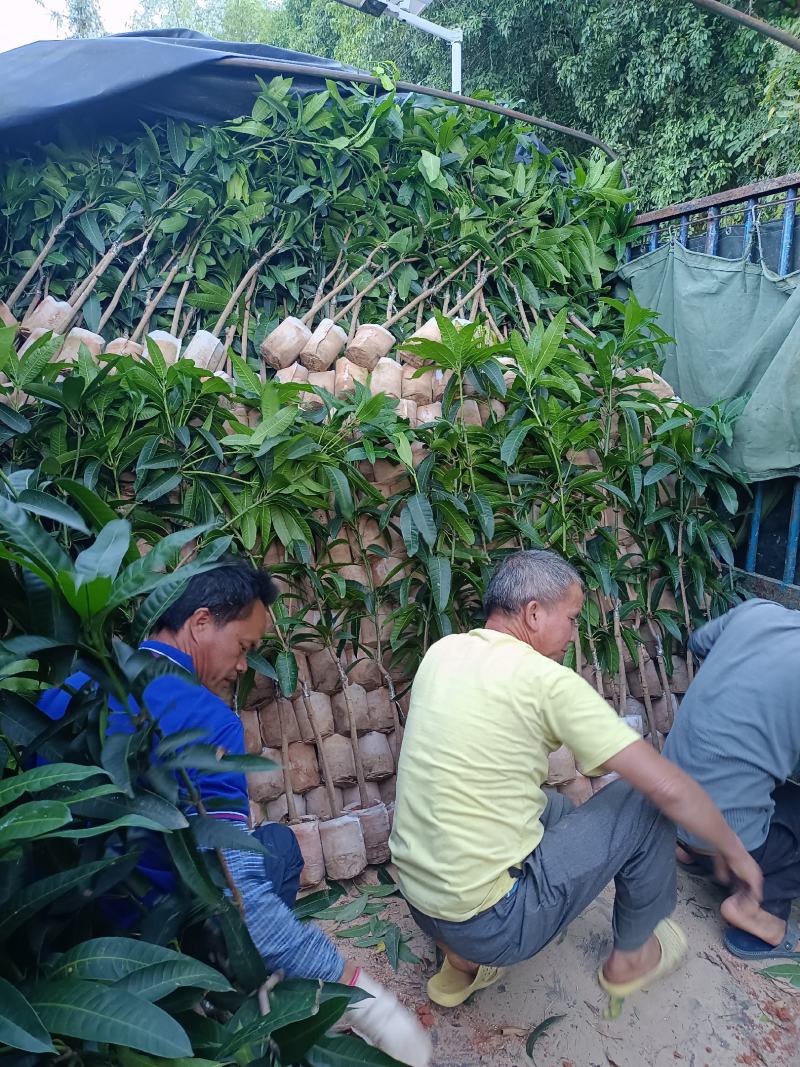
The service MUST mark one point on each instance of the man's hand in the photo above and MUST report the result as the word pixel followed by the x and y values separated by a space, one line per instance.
pixel 688 805
pixel 744 877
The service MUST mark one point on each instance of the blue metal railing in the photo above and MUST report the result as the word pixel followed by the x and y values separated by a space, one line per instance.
pixel 699 222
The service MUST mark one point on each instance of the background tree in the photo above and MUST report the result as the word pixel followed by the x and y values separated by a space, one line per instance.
pixel 81 18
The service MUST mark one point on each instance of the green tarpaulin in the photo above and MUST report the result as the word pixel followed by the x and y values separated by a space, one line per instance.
pixel 736 327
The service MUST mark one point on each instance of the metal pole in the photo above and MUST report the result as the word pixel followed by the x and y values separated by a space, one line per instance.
pixel 750 22
pixel 455 66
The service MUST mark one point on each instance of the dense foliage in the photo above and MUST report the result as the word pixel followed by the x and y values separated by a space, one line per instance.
pixel 374 208
pixel 679 93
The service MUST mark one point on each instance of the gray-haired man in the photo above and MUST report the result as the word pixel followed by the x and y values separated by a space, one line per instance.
pixel 493 867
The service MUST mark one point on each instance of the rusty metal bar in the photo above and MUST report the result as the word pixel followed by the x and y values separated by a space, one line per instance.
pixel 752 23
pixel 729 196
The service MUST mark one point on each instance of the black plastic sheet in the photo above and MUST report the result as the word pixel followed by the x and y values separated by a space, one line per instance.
pixel 86 87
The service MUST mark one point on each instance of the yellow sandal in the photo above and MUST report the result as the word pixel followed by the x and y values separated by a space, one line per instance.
pixel 451 987
pixel 673 948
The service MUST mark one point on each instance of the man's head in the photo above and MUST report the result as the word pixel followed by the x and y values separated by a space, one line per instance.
pixel 536 596
pixel 218 619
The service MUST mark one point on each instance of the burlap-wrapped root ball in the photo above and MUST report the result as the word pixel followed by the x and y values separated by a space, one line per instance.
pixel 376 756
pixel 285 343
pixel 267 785
pixel 308 838
pixel 322 348
pixel 375 828
pixel 369 344
pixel 320 705
pixel 343 847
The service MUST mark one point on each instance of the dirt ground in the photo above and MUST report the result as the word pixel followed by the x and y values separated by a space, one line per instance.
pixel 715 1012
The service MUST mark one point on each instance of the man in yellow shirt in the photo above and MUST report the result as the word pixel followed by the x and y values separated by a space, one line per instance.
pixel 491 865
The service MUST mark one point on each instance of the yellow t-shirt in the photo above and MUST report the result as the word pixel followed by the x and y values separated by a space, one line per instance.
pixel 486 711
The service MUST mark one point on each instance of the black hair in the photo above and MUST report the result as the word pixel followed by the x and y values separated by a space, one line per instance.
pixel 228 591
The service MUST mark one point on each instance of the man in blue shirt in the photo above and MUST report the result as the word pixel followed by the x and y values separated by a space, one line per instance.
pixel 738 734
pixel 207 633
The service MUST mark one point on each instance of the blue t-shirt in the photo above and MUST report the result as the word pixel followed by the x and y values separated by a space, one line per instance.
pixel 177 704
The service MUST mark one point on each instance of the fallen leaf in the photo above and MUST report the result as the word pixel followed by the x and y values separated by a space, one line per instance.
pixel 542 1028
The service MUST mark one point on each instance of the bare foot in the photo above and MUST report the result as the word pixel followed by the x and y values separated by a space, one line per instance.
pixel 626 966
pixel 682 856
pixel 753 919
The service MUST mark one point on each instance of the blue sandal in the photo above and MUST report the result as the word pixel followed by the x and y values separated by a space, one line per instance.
pixel 748 947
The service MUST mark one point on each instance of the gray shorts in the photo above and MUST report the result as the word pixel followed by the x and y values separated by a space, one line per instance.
pixel 617 835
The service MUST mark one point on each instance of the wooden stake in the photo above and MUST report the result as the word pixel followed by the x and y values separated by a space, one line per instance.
pixel 245 281
pixel 149 311
pixel 427 294
pixel 115 299
pixel 351 718
pixel 33 270
pixel 323 758
pixel 176 315
pixel 309 315
pixel 287 774
pixel 357 299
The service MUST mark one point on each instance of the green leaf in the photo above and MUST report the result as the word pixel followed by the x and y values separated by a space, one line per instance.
pixel 191 871
pixel 108 959
pixel 104 558
pixel 421 512
pixel 39 894
pixel 346 1052
pixel 344 912
pixel 103 1014
pixel 26 535
pixel 32 820
pixel 657 472
pixel 287 672
pixel 209 832
pixel 160 979
pixel 91 231
pixel 164 484
pixel 341 491
pixel 429 166
pixel 12 420
pixel 165 594
pixel 721 544
pixel 50 507
pixel 297 1038
pixel 441 575
pixel 391 940
pixel 404 453
pixel 20 1026
pixel 512 444
pixel 39 778
pixel 485 515
pixel 727 495
pixel 261 666
pixel 542 1028
pixel 245 375
pixel 176 139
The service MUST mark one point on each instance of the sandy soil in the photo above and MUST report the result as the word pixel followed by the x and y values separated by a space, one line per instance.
pixel 714 1012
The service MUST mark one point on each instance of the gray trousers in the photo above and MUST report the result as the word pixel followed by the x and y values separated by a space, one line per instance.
pixel 617 835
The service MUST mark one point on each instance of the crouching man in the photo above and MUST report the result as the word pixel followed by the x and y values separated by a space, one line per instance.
pixel 738 733
pixel 207 633
pixel 492 866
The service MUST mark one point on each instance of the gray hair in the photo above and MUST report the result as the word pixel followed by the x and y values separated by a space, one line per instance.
pixel 533 575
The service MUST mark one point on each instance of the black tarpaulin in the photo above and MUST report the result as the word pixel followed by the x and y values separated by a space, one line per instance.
pixel 109 84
